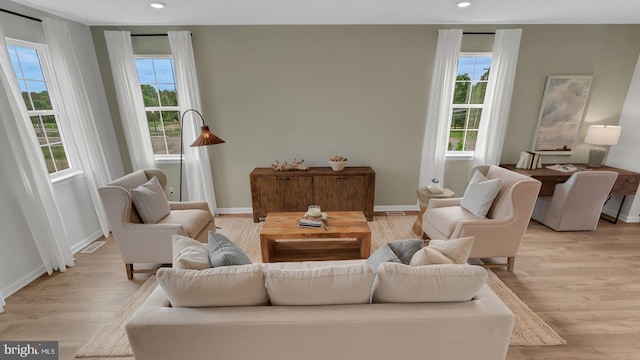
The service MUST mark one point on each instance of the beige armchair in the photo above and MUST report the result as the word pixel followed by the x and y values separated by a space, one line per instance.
pixel 501 232
pixel 577 203
pixel 141 243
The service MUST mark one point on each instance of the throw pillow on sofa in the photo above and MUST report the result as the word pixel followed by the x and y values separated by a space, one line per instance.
pixel 150 201
pixel 189 253
pixel 224 252
pixel 329 285
pixel 222 286
pixel 454 251
pixel 399 251
pixel 479 195
pixel 399 283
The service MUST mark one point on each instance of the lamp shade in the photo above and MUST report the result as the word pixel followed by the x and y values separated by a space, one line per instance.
pixel 206 138
pixel 603 135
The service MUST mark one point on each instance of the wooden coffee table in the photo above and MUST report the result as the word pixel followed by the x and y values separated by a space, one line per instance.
pixel 347 237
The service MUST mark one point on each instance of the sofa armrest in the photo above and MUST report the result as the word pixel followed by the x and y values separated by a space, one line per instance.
pixel 438 203
pixel 186 205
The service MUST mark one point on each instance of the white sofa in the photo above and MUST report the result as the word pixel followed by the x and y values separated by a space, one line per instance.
pixel 477 329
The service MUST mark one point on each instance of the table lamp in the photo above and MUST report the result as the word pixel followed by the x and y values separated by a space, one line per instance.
pixel 601 135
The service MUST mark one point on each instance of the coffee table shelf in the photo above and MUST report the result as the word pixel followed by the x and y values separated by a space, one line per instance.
pixel 347 237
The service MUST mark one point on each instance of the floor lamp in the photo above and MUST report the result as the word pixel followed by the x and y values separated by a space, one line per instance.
pixel 206 138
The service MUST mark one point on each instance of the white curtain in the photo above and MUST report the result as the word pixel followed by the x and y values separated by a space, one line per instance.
pixel 197 165
pixel 436 134
pixel 497 100
pixel 2 303
pixel 29 179
pixel 129 93
pixel 78 110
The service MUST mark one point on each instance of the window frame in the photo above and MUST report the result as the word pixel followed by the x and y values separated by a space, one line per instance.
pixel 466 154
pixel 163 158
pixel 57 110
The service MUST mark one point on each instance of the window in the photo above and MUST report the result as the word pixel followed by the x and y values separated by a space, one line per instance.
pixel 37 84
pixel 158 84
pixel 468 99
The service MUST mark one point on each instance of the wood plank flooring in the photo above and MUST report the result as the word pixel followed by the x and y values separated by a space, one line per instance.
pixel 586 285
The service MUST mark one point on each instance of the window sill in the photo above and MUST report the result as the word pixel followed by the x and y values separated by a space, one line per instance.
pixel 459 156
pixel 167 160
pixel 66 178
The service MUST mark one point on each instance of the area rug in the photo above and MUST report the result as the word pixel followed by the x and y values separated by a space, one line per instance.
pixel 111 341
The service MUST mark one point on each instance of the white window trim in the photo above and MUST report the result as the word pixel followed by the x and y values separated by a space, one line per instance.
pixel 73 171
pixel 466 155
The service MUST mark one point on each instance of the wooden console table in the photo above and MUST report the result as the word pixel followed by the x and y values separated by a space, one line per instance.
pixel 626 183
pixel 277 191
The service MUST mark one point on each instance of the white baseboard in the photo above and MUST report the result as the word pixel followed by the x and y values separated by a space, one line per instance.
pixel 23 281
pixel 623 217
pixel 377 208
pixel 88 240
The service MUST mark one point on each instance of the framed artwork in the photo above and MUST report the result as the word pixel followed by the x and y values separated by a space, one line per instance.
pixel 564 104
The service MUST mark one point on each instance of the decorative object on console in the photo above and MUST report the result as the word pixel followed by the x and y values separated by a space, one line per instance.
pixel 285 166
pixel 601 135
pixel 206 138
pixel 561 113
pixel 338 162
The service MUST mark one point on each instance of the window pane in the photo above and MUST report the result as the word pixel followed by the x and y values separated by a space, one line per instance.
pixel 51 167
pixel 51 127
pixel 168 95
pixel 40 97
pixel 164 70
pixel 459 118
pixel 157 132
pixel 483 64
pixel 470 140
pixel 456 140
pixel 172 131
pixel 25 94
pixel 149 95
pixel 60 157
pixel 474 118
pixel 477 92
pixel 39 129
pixel 145 71
pixel 29 63
pixel 462 90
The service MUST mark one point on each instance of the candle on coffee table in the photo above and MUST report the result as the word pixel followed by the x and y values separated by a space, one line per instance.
pixel 314 210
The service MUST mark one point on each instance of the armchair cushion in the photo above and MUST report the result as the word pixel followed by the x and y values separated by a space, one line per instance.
pixel 480 193
pixel 455 251
pixel 445 219
pixel 150 201
pixel 192 220
pixel 190 254
pixel 224 252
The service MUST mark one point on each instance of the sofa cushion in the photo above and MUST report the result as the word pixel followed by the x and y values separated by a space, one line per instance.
pixel 192 220
pixel 150 201
pixel 480 193
pixel 399 251
pixel 330 285
pixel 224 252
pixel 223 286
pixel 454 251
pixel 190 254
pixel 399 283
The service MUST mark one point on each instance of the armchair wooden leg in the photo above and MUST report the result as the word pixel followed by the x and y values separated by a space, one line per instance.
pixel 510 263
pixel 129 268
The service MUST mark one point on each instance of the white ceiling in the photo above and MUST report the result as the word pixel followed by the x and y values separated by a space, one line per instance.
pixel 240 12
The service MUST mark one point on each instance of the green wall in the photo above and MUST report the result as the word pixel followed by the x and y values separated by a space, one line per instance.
pixel 308 92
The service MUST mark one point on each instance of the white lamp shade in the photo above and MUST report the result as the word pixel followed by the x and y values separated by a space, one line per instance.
pixel 603 135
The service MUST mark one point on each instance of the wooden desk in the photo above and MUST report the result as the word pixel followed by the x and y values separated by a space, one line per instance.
pixel 626 183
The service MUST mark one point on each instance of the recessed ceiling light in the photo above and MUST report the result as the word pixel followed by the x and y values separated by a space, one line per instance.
pixel 463 4
pixel 158 5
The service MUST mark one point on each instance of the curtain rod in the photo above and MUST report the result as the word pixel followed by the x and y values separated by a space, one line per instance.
pixel 153 34
pixel 478 33
pixel 21 15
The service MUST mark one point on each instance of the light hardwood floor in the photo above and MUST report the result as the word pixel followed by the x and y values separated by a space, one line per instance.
pixel 586 285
